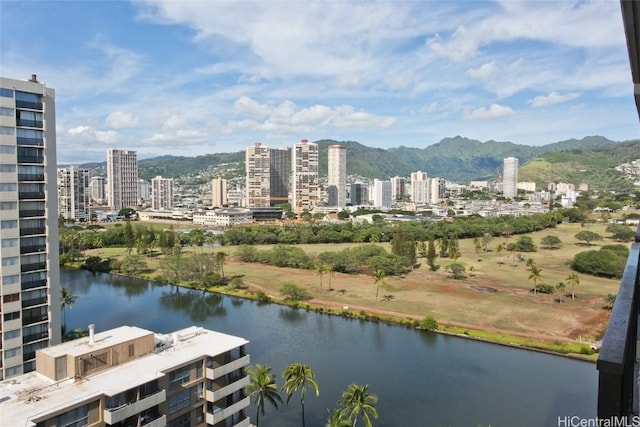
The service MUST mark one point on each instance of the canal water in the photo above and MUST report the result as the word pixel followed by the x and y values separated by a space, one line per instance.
pixel 420 378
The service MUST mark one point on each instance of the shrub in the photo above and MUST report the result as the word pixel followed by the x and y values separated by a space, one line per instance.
pixel 604 263
pixel 429 323
pixel 545 288
pixel 293 292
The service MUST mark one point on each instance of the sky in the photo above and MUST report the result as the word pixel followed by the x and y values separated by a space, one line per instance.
pixel 198 77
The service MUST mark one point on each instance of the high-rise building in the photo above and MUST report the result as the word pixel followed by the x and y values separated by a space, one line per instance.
pixel 305 188
pixel 30 290
pixel 96 189
pixel 337 176
pixel 419 188
pixel 122 179
pixel 437 190
pixel 267 179
pixel 73 194
pixel 398 187
pixel 218 192
pixel 382 194
pixel 510 177
pixel 358 194
pixel 144 191
pixel 162 193
pixel 130 376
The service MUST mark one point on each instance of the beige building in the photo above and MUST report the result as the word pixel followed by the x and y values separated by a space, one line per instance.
pixel 218 192
pixel 122 179
pixel 305 188
pixel 29 271
pixel 267 179
pixel 129 376
pixel 162 193
pixel 337 176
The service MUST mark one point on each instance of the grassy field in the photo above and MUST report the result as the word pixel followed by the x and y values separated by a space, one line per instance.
pixel 494 302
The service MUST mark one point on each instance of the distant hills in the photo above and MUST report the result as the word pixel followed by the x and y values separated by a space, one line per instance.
pixel 590 160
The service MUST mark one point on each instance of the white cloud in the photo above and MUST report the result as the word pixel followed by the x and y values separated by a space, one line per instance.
pixel 482 72
pixel 495 111
pixel 121 120
pixel 85 134
pixel 552 98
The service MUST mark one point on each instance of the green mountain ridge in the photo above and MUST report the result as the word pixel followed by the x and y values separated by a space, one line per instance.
pixel 590 160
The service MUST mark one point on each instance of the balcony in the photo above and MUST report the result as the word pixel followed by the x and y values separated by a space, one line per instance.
pixel 26 303
pixel 31 213
pixel 38 142
pixel 31 159
pixel 220 413
pixel 29 123
pixel 618 394
pixel 32 249
pixel 26 321
pixel 28 104
pixel 122 412
pixel 214 373
pixel 22 177
pixel 32 231
pixel 35 337
pixel 27 195
pixel 213 396
pixel 34 284
pixel 32 267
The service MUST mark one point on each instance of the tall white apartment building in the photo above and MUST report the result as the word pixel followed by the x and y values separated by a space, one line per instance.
pixel 419 188
pixel 144 191
pixel 437 190
pixel 122 179
pixel 305 188
pixel 30 276
pixel 337 176
pixel 510 177
pixel 218 192
pixel 398 187
pixel 267 178
pixel 96 189
pixel 130 376
pixel 162 193
pixel 73 194
pixel 382 194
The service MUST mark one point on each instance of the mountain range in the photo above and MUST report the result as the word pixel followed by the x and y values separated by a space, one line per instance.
pixel 459 159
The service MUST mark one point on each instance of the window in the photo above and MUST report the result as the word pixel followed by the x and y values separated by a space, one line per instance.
pixel 179 376
pixel 8 206
pixel 12 260
pixel 8 223
pixel 27 96
pixel 9 335
pixel 77 417
pixel 10 372
pixel 183 420
pixel 7 93
pixel 12 352
pixel 10 298
pixel 6 130
pixel 11 316
pixel 8 112
pixel 7 168
pixel 9 243
pixel 8 280
pixel 131 350
pixel 8 186
pixel 180 400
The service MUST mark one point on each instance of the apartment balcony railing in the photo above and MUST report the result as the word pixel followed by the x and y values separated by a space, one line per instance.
pixel 35 337
pixel 617 365
pixel 29 123
pixel 214 373
pixel 34 284
pixel 33 230
pixel 39 142
pixel 26 321
pixel 220 413
pixel 26 303
pixel 31 213
pixel 22 177
pixel 32 267
pixel 122 412
pixel 28 104
pixel 32 249
pixel 27 195
pixel 30 159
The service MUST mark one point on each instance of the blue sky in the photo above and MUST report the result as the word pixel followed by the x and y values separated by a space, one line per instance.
pixel 196 77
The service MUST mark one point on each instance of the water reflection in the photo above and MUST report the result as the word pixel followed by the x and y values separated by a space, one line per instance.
pixel 131 288
pixel 292 315
pixel 199 306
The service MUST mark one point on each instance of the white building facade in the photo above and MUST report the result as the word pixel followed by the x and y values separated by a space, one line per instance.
pixel 305 188
pixel 162 193
pixel 122 179
pixel 510 177
pixel 30 276
pixel 337 176
pixel 419 188
pixel 74 201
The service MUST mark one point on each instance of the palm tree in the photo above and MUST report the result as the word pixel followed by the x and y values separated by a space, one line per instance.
pixel 262 385
pixel 535 276
pixel 378 276
pixel 320 270
pixel 573 281
pixel 67 298
pixel 357 402
pixel 220 257
pixel 561 286
pixel 336 419
pixel 298 376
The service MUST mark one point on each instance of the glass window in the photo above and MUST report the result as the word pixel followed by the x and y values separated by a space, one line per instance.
pixel 6 130
pixel 7 93
pixel 7 206
pixel 27 96
pixel 77 417
pixel 179 376
pixel 12 260
pixel 8 223
pixel 29 133
pixel 10 298
pixel 4 111
pixel 183 420
pixel 7 168
pixel 9 335
pixel 9 243
pixel 8 280
pixel 7 186
pixel 180 400
pixel 11 316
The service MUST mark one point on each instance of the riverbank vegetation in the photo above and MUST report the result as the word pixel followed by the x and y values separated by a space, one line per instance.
pixel 489 297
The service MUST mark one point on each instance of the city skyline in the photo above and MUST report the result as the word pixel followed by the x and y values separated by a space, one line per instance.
pixel 191 78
